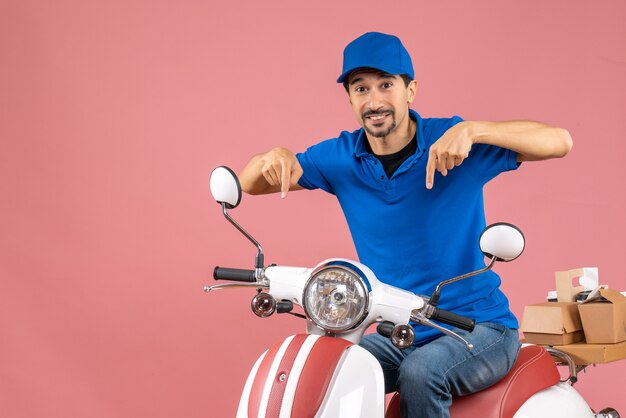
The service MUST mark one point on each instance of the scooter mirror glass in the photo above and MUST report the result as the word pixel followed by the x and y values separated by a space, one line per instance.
pixel 502 240
pixel 225 187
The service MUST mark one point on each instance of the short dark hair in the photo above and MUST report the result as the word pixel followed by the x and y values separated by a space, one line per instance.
pixel 405 77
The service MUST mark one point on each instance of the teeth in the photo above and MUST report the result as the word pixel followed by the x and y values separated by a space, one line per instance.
pixel 377 117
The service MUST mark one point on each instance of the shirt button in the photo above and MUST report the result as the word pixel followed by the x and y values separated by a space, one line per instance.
pixel 382 177
pixel 375 162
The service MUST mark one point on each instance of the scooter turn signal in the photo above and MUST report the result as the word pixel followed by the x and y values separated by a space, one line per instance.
pixel 263 305
pixel 403 336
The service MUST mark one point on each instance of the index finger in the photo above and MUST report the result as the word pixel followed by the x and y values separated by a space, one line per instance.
pixel 430 170
pixel 284 178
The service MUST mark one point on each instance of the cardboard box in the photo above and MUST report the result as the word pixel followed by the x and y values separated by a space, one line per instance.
pixel 552 323
pixel 584 354
pixel 565 290
pixel 604 322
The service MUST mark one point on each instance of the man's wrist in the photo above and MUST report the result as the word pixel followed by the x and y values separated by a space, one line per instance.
pixel 476 131
pixel 469 130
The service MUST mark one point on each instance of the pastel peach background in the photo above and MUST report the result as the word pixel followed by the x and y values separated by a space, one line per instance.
pixel 113 113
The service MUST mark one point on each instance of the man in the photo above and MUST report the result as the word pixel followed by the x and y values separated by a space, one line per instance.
pixel 411 191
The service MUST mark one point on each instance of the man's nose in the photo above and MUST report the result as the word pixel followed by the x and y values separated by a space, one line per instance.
pixel 373 101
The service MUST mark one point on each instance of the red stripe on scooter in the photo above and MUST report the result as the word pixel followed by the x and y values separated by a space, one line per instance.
pixel 316 375
pixel 256 392
pixel 278 386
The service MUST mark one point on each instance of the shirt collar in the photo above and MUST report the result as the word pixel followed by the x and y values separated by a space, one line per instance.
pixel 361 151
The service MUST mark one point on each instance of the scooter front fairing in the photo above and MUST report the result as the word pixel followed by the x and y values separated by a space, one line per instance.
pixel 314 376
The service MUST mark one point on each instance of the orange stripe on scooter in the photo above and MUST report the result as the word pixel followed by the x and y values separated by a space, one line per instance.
pixel 282 376
pixel 256 392
pixel 316 375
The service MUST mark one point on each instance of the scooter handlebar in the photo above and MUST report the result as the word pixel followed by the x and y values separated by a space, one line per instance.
pixel 453 319
pixel 237 275
pixel 385 328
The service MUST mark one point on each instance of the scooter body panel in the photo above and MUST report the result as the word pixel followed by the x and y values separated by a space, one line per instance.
pixel 357 389
pixel 309 376
pixel 242 410
pixel 560 400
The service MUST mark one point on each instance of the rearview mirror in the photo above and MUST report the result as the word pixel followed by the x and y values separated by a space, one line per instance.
pixel 225 187
pixel 503 241
pixel 499 242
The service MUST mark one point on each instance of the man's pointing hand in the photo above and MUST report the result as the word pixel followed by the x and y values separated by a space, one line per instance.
pixel 448 152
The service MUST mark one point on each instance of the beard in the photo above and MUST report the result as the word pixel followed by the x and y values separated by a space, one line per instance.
pixel 379 132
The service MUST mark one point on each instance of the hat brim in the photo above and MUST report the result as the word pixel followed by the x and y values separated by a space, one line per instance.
pixel 390 70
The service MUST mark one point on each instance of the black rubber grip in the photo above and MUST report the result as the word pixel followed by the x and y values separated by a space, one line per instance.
pixel 237 275
pixel 284 306
pixel 385 328
pixel 453 319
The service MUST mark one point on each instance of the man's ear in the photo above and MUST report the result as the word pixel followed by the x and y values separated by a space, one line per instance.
pixel 412 91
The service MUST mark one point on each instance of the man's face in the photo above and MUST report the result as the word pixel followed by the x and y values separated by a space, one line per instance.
pixel 380 101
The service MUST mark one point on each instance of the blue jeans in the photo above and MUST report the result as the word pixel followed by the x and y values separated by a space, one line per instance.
pixel 427 377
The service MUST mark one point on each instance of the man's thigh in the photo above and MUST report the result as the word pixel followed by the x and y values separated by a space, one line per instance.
pixel 450 363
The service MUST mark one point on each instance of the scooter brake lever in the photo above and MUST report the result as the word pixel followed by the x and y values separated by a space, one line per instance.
pixel 257 285
pixel 422 320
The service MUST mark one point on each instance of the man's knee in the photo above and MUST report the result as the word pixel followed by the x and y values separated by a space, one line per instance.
pixel 378 346
pixel 369 342
pixel 420 371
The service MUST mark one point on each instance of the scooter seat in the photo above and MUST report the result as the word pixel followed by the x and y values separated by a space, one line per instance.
pixel 533 371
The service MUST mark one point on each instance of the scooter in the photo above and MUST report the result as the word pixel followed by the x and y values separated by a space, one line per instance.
pixel 324 373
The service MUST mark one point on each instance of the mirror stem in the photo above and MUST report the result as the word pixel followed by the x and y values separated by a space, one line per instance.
pixel 259 259
pixel 434 299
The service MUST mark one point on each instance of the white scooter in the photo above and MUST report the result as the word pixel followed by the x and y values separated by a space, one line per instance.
pixel 326 374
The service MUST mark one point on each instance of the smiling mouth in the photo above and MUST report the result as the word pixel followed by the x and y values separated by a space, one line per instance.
pixel 377 117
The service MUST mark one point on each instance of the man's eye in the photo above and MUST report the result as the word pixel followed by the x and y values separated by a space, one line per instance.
pixel 359 89
pixel 387 85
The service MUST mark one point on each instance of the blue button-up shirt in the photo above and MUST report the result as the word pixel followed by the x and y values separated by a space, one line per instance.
pixel 412 237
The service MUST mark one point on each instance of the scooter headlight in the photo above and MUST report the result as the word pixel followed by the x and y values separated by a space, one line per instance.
pixel 335 297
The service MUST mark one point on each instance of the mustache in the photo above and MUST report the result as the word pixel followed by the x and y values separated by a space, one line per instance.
pixel 377 112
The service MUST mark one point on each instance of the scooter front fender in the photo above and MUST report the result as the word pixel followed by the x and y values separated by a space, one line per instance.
pixel 312 376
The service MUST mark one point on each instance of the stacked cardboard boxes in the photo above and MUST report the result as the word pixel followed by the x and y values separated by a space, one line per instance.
pixel 593 331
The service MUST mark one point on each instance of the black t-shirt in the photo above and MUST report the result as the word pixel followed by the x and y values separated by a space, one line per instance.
pixel 392 162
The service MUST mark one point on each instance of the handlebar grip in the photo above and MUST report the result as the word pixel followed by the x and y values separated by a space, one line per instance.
pixel 237 275
pixel 385 328
pixel 453 319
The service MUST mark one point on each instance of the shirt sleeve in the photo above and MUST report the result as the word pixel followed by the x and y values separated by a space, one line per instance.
pixel 312 162
pixel 492 160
